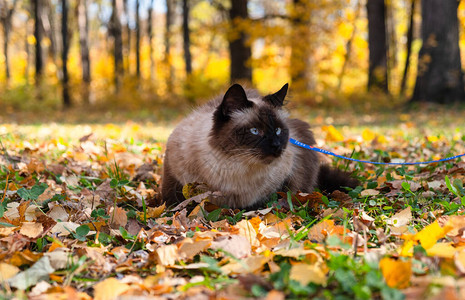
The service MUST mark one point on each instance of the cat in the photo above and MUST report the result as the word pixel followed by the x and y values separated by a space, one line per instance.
pixel 238 144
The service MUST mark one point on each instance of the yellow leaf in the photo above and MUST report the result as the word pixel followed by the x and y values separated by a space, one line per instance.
pixel 407 247
pixel 31 40
pixel 368 135
pixel 96 225
pixel 109 289
pixel 332 134
pixel 153 212
pixel 432 138
pixel 396 272
pixel 306 273
pixel 431 234
pixel 445 250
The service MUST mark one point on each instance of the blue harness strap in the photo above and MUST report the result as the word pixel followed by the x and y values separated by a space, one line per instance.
pixel 300 144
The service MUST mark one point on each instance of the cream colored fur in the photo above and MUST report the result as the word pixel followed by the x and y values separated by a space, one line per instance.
pixel 243 180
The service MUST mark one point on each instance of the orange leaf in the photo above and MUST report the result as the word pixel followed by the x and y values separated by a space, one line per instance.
pixel 396 272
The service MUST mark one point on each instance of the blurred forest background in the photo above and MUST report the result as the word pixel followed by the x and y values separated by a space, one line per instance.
pixel 164 56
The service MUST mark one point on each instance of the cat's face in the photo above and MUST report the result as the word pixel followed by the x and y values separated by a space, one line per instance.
pixel 251 130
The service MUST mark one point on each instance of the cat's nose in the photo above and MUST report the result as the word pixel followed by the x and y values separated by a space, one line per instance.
pixel 276 144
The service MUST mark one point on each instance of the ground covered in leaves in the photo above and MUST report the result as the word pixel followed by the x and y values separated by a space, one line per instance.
pixel 81 218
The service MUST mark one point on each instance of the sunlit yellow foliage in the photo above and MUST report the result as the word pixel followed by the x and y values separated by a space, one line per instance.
pixel 333 71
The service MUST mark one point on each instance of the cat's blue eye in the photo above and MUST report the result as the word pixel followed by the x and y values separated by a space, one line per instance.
pixel 278 131
pixel 254 131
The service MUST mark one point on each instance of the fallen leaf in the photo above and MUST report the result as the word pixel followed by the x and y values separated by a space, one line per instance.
pixel 109 289
pixel 396 272
pixel 398 222
pixel 444 250
pixel 429 235
pixel 189 248
pixel 26 257
pixel 118 218
pixel 31 229
pixel 64 228
pixel 308 273
pixel 332 134
pixel 369 192
pixel 39 271
pixel 153 212
pixel 58 213
pixel 167 255
pixel 247 230
pixel 250 264
pixel 237 245
pixel 7 271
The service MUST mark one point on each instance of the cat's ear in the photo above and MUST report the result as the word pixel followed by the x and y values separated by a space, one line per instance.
pixel 234 99
pixel 277 99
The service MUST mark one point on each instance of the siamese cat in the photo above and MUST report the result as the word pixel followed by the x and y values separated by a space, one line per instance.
pixel 239 145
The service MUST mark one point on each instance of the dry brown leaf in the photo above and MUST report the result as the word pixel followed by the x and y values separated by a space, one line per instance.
pixel 58 213
pixel 64 228
pixel 153 212
pixel 167 255
pixel 398 222
pixel 369 192
pixel 109 289
pixel 275 295
pixel 306 273
pixel 397 184
pixel 246 229
pixel 250 264
pixel 26 257
pixel 31 229
pixel 188 248
pixel 237 245
pixel 118 218
pixel 7 231
pixel 7 271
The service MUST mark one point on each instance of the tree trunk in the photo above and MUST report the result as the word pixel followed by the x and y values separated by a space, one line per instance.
pixel 6 18
pixel 439 75
pixel 83 24
pixel 28 54
pixel 38 40
pixel 150 36
pixel 300 46
pixel 377 72
pixel 50 30
pixel 64 55
pixel 115 32
pixel 240 53
pixel 167 58
pixel 137 40
pixel 127 47
pixel 409 47
pixel 186 37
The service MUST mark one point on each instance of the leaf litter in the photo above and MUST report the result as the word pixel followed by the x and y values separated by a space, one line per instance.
pixel 82 218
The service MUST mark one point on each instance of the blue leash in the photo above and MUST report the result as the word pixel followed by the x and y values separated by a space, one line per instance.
pixel 297 143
